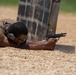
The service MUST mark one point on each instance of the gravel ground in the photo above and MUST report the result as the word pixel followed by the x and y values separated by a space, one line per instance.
pixel 61 61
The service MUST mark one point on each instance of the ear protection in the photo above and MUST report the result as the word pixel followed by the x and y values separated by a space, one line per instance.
pixel 9 35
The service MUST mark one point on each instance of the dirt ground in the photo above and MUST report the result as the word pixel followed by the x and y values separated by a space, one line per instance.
pixel 61 61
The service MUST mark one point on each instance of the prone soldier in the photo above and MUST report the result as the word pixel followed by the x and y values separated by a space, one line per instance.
pixel 15 35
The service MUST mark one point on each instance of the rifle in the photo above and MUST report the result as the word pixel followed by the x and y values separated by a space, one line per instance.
pixel 55 35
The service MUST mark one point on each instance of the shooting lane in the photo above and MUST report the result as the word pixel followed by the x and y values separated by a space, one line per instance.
pixel 40 17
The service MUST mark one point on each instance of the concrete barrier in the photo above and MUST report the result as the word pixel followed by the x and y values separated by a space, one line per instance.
pixel 40 17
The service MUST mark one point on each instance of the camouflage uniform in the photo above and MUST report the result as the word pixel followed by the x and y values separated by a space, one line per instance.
pixel 2 25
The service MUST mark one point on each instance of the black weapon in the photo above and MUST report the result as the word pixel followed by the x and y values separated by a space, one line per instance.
pixel 55 35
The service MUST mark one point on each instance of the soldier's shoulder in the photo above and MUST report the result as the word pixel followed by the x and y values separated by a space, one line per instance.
pixel 7 20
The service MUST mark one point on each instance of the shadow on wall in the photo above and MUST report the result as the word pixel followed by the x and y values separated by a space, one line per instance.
pixel 65 48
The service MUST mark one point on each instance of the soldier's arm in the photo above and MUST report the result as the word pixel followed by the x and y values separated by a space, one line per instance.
pixel 42 45
pixel 4 42
pixel 39 45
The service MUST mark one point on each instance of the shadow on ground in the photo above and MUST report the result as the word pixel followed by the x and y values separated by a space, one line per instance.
pixel 65 48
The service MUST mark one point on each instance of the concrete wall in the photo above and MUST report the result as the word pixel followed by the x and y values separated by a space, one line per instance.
pixel 36 14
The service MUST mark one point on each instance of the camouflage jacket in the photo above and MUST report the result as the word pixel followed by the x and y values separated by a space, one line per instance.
pixel 2 25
